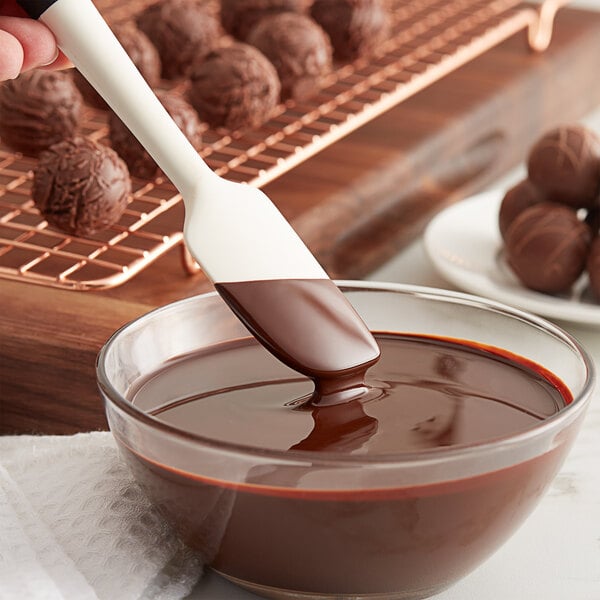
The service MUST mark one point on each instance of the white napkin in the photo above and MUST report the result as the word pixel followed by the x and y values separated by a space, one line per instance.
pixel 74 525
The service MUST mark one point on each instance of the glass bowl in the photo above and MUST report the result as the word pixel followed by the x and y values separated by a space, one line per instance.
pixel 308 525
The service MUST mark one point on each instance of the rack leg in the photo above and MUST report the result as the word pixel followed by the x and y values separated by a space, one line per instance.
pixel 542 24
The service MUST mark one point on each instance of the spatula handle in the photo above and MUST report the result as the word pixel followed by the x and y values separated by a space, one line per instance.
pixel 83 35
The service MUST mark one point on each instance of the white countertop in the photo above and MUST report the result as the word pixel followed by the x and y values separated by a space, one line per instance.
pixel 555 555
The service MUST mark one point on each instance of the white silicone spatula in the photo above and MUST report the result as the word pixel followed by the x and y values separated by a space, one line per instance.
pixel 233 230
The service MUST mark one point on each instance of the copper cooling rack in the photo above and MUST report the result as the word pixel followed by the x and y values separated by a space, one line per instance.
pixel 430 39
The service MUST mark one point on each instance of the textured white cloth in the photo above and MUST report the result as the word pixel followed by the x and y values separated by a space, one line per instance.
pixel 74 525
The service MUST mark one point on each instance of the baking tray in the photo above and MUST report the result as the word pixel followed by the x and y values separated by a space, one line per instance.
pixel 430 38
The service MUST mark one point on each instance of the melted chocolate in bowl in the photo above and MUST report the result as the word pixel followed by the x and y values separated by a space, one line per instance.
pixel 274 532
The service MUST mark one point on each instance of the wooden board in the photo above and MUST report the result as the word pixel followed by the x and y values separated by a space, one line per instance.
pixel 355 204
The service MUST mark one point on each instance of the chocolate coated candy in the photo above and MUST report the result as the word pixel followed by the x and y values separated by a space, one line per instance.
pixel 565 165
pixel 516 200
pixel 547 247
pixel 81 186
pixel 38 109
pixel 593 267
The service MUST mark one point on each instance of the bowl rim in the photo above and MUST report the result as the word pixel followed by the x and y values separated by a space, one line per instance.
pixel 437 455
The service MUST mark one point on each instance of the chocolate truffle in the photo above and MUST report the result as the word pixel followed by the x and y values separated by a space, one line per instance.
pixel 38 109
pixel 356 27
pixel 234 87
pixel 565 165
pixel 81 186
pixel 593 267
pixel 139 162
pixel 547 247
pixel 182 31
pixel 240 16
pixel 142 53
pixel 593 220
pixel 515 201
pixel 299 49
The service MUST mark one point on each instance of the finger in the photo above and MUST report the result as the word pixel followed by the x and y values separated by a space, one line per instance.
pixel 61 62
pixel 11 57
pixel 37 41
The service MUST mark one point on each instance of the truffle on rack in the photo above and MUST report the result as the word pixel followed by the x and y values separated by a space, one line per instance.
pixel 182 31
pixel 234 87
pixel 139 162
pixel 81 186
pixel 356 27
pixel 565 165
pixel 240 16
pixel 299 49
pixel 547 247
pixel 143 54
pixel 38 109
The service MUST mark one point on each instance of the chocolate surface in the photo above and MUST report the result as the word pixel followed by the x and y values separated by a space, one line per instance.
pixel 234 87
pixel 275 529
pixel 547 247
pixel 182 31
pixel 38 109
pixel 521 196
pixel 565 165
pixel 143 54
pixel 240 16
pixel 299 49
pixel 139 162
pixel 593 267
pixel 356 27
pixel 81 186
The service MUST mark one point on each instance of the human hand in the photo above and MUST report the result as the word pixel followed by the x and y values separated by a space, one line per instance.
pixel 25 43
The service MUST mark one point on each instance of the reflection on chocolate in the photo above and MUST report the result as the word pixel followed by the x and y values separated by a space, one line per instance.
pixel 299 49
pixel 182 31
pixel 38 109
pixel 139 162
pixel 432 392
pixel 593 267
pixel 81 186
pixel 143 54
pixel 234 87
pixel 516 200
pixel 547 246
pixel 565 165
pixel 240 16
pixel 356 27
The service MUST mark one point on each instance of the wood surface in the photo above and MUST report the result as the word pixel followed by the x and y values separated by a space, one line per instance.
pixel 355 204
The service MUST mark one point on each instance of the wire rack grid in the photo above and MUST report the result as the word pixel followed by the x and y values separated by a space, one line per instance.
pixel 430 38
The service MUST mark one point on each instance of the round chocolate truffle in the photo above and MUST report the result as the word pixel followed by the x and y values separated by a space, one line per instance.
pixel 299 49
pixel 593 267
pixel 38 109
pixel 139 162
pixel 547 247
pixel 240 16
pixel 565 165
pixel 182 31
pixel 356 27
pixel 234 87
pixel 515 201
pixel 81 186
pixel 142 53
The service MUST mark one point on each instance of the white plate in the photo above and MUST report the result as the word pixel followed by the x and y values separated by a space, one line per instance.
pixel 464 243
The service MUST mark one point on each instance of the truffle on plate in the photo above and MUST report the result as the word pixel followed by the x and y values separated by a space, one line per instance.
pixel 565 165
pixel 139 162
pixel 515 201
pixel 299 49
pixel 234 87
pixel 142 53
pixel 240 16
pixel 593 267
pixel 81 186
pixel 547 246
pixel 356 27
pixel 38 109
pixel 182 31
